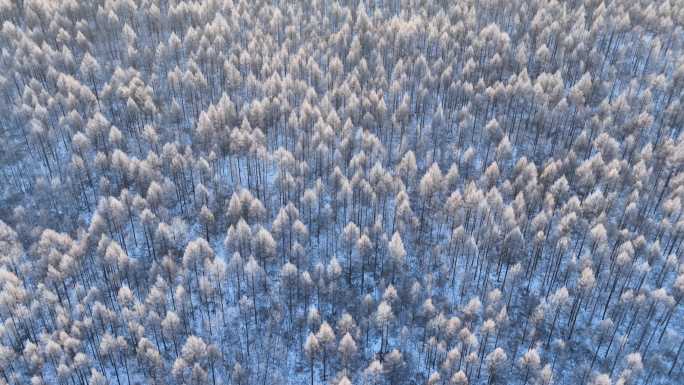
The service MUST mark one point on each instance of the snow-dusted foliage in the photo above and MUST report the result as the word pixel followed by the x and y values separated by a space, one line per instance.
pixel 389 192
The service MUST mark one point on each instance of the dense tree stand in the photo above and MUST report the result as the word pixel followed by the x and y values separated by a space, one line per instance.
pixel 341 192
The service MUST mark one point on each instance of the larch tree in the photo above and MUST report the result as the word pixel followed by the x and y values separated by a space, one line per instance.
pixel 191 187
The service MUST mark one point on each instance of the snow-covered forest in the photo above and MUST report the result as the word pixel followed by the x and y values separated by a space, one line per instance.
pixel 367 192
